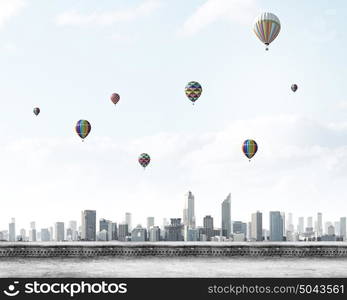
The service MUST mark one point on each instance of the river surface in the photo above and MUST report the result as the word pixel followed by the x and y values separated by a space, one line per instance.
pixel 173 267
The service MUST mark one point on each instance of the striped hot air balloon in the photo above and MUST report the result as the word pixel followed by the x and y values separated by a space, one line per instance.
pixel 249 148
pixel 193 90
pixel 267 26
pixel 144 160
pixel 83 128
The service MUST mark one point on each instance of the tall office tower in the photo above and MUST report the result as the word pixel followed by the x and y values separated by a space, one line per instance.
pixel 123 231
pixel 276 226
pixel 208 227
pixel 309 222
pixel 88 225
pixel 331 230
pixel 45 236
pixel 283 215
pixel 249 231
pixel 59 231
pixel 257 227
pixel 189 211
pixel 138 234
pixel 12 230
pixel 337 227
pixel 174 231
pixel 107 226
pixel 150 222
pixel 290 225
pixel 319 224
pixel 240 227
pixel 32 232
pixel 226 217
pixel 343 228
pixel 154 234
pixel 114 231
pixel 326 226
pixel 74 232
pixel 128 220
pixel 23 234
pixel 162 231
pixel 51 233
pixel 301 227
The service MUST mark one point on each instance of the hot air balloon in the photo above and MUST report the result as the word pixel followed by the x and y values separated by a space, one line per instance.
pixel 36 111
pixel 115 98
pixel 193 91
pixel 267 26
pixel 249 148
pixel 144 160
pixel 83 128
pixel 294 87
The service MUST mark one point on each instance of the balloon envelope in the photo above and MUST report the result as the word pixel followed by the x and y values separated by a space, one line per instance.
pixel 115 98
pixel 294 87
pixel 83 128
pixel 266 27
pixel 36 111
pixel 249 148
pixel 144 159
pixel 193 90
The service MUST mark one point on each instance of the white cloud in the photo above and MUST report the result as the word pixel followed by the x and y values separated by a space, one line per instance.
pixel 301 166
pixel 108 17
pixel 238 11
pixel 9 9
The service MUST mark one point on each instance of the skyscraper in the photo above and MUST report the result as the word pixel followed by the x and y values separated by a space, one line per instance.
pixel 32 232
pixel 150 222
pixel 301 227
pixel 343 228
pixel 309 222
pixel 138 234
pixel 226 217
pixel 88 225
pixel 123 231
pixel 257 227
pixel 128 220
pixel 174 231
pixel 114 231
pixel 189 211
pixel 59 231
pixel 45 236
pixel 154 234
pixel 107 226
pixel 12 230
pixel 208 227
pixel 319 224
pixel 276 226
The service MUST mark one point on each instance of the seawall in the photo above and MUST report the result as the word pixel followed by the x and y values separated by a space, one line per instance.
pixel 167 249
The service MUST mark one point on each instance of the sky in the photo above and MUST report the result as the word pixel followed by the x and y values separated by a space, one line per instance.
pixel 68 56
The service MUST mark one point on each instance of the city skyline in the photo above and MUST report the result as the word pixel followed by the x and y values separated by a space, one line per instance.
pixel 281 226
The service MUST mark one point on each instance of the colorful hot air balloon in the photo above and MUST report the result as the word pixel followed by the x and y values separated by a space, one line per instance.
pixel 267 27
pixel 36 111
pixel 144 160
pixel 249 148
pixel 193 91
pixel 294 87
pixel 115 98
pixel 83 128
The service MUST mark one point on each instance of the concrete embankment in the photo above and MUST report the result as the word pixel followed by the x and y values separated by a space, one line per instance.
pixel 93 249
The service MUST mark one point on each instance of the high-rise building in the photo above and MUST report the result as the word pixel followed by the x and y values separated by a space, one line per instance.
pixel 128 220
pixel 257 227
pixel 337 227
pixel 208 227
pixel 326 227
pixel 12 230
pixel 343 228
pixel 123 231
pixel 276 226
pixel 309 222
pixel 114 231
pixel 150 222
pixel 74 232
pixel 174 231
pixel 59 231
pixel 301 226
pixel 32 232
pixel 45 236
pixel 107 226
pixel 88 225
pixel 331 230
pixel 319 224
pixel 138 234
pixel 51 233
pixel 290 225
pixel 239 227
pixel 23 236
pixel 226 216
pixel 154 234
pixel 189 211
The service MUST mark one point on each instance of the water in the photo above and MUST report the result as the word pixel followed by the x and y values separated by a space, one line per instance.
pixel 173 267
